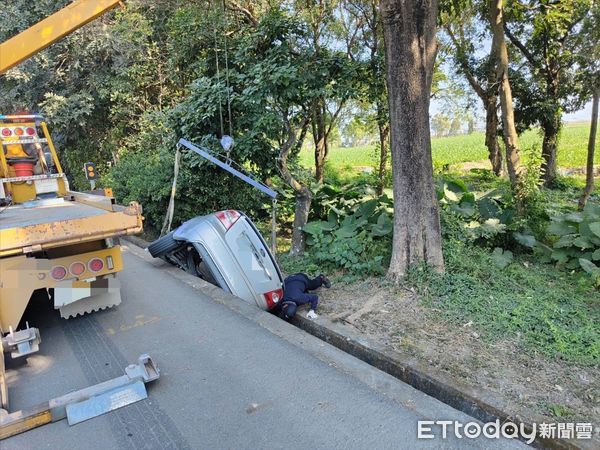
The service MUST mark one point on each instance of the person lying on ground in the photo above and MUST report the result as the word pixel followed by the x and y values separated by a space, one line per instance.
pixel 296 292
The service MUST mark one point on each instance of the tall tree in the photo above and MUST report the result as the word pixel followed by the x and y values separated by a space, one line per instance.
pixel 589 177
pixel 499 56
pixel 541 31
pixel 333 66
pixel 364 41
pixel 290 144
pixel 279 95
pixel 481 76
pixel 588 59
pixel 409 28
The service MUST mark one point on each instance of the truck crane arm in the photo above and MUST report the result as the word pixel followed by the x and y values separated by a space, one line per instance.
pixel 51 29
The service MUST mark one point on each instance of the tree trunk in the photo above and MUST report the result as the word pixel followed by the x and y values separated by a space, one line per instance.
pixel 551 130
pixel 384 134
pixel 589 175
pixel 499 56
pixel 410 47
pixel 320 138
pixel 470 125
pixel 491 134
pixel 303 194
pixel 303 200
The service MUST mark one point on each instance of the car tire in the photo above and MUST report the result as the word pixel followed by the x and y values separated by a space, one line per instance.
pixel 163 245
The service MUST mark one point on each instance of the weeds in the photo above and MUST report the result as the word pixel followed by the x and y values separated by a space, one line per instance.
pixel 545 310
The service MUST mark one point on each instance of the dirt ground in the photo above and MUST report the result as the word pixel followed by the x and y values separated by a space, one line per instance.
pixel 555 390
pixel 485 164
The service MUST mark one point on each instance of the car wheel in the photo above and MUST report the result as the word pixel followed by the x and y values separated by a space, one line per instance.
pixel 163 245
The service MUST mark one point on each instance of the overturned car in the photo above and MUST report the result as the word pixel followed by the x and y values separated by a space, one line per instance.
pixel 227 250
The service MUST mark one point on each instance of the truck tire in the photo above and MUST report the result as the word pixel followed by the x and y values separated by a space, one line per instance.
pixel 163 245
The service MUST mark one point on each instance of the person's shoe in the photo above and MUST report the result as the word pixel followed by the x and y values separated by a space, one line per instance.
pixel 325 281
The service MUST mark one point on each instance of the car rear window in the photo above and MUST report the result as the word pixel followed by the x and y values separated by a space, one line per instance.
pixel 252 255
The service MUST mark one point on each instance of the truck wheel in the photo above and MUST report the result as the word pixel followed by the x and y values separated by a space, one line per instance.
pixel 163 245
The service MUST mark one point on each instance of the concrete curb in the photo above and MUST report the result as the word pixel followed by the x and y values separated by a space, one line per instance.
pixel 137 241
pixel 476 403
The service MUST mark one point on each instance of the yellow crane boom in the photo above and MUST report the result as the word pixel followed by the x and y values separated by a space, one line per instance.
pixel 50 30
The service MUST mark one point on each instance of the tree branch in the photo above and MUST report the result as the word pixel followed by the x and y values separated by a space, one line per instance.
pixel 287 147
pixel 482 93
pixel 334 117
pixel 235 6
pixel 526 53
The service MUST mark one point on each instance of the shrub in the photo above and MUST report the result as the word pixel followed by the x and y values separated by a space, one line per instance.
pixel 483 218
pixel 575 241
pixel 356 235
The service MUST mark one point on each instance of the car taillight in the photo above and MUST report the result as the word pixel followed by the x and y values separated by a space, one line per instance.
pixel 30 131
pixel 6 132
pixel 19 131
pixel 77 268
pixel 228 217
pixel 96 265
pixel 273 297
pixel 58 273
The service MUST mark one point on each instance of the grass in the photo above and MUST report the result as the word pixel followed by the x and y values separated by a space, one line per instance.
pixel 548 311
pixel 572 150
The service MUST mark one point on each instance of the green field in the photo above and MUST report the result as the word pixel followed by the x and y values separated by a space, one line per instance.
pixel 572 150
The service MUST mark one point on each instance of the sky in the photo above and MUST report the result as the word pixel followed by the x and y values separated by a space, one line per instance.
pixel 583 115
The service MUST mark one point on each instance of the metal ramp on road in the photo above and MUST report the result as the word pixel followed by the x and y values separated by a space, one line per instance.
pixel 86 403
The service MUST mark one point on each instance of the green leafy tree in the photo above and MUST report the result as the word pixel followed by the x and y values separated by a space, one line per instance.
pixel 466 34
pixel 589 80
pixel 363 34
pixel 324 31
pixel 544 31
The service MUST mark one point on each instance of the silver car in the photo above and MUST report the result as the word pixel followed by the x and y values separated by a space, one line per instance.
pixel 225 249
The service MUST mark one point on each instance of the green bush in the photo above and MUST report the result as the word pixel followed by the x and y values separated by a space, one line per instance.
pixel 356 236
pixel 483 218
pixel 575 241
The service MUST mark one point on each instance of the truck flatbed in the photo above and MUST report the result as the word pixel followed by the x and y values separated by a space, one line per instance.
pixel 58 222
pixel 21 215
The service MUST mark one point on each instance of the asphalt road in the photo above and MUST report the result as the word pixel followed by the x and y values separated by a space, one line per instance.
pixel 231 377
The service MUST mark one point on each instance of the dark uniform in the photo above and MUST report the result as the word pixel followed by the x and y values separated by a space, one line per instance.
pixel 296 292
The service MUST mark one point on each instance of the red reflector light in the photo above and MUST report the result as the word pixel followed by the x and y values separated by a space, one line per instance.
pixel 273 297
pixel 228 217
pixel 96 265
pixel 19 131
pixel 77 268
pixel 30 131
pixel 6 132
pixel 58 273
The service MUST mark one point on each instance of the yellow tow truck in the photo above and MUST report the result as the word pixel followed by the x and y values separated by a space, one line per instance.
pixel 51 238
